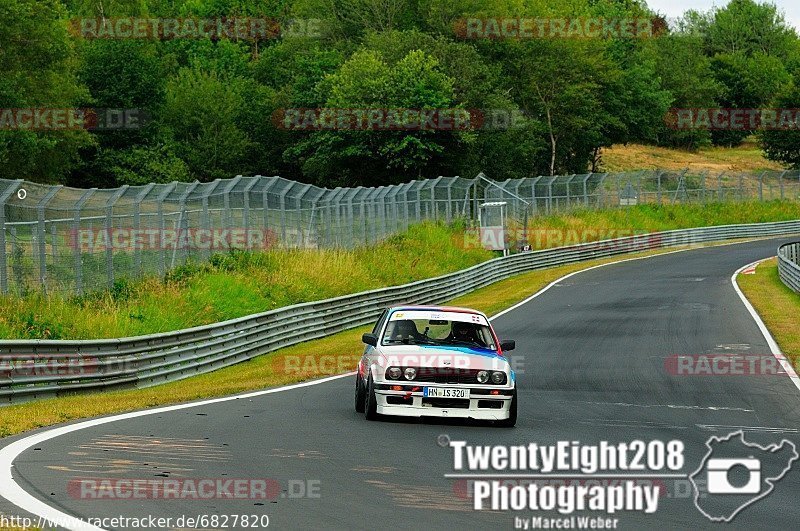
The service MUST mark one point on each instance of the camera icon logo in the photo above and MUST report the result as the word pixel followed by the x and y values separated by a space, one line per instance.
pixel 736 473
pixel 718 480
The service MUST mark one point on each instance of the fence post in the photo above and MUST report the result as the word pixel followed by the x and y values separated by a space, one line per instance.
pixel 434 184
pixel 265 204
pixel 586 189
pixel 550 194
pixel 182 225
pixel 449 209
pixel 226 198
pixel 206 221
pixel 658 186
pixel 299 207
pixel 780 181
pixel 162 262
pixel 76 246
pixel 12 187
pixel 761 186
pixel 137 252
pixel 41 235
pixel 109 224
pixel 246 210
pixel 282 204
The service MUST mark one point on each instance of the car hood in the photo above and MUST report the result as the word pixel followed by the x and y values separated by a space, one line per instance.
pixel 438 356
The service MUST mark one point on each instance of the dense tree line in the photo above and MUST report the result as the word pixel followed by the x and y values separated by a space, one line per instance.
pixel 212 103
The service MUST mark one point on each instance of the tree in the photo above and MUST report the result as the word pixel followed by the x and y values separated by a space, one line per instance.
pixel 381 156
pixel 783 144
pixel 38 65
pixel 202 113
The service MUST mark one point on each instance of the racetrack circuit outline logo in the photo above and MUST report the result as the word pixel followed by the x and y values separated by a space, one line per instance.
pixel 721 498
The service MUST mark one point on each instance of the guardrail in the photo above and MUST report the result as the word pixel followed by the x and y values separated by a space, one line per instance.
pixel 789 265
pixel 46 368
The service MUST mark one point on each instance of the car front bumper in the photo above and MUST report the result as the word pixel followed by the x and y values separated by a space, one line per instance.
pixel 414 404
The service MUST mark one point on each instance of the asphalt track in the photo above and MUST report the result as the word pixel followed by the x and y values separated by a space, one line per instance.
pixel 592 352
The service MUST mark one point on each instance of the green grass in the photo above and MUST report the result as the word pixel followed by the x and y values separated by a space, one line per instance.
pixel 237 284
pixel 777 305
pixel 335 354
pixel 240 284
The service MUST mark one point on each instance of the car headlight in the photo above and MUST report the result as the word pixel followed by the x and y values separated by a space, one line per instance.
pixel 410 373
pixel 394 373
pixel 498 377
pixel 483 376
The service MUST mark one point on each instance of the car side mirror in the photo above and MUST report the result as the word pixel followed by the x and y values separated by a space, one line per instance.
pixel 508 344
pixel 370 339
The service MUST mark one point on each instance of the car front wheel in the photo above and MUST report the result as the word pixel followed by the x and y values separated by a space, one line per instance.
pixel 360 394
pixel 370 402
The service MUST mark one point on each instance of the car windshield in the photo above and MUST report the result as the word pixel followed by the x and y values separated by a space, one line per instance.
pixel 436 330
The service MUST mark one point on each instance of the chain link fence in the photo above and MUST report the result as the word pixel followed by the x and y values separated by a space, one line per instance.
pixel 68 240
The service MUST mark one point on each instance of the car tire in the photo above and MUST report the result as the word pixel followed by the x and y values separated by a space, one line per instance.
pixel 360 398
pixel 511 421
pixel 370 402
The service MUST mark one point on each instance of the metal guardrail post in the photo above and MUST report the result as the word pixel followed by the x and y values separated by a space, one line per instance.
pixel 77 253
pixel 41 235
pixel 109 236
pixel 12 187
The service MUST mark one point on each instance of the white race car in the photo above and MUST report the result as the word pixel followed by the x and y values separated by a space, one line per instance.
pixel 436 361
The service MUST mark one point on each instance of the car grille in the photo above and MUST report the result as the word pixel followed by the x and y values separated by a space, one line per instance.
pixel 445 375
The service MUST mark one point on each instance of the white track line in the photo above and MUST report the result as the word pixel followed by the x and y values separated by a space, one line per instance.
pixel 11 491
pixel 773 345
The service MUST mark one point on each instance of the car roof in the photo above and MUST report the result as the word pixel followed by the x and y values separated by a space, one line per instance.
pixel 436 309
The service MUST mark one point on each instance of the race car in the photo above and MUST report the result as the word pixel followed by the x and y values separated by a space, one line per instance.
pixel 430 361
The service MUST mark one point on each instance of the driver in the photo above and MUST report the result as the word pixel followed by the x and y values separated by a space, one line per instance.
pixel 405 331
pixel 465 333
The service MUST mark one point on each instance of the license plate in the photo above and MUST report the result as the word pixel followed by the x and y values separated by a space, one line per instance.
pixel 445 392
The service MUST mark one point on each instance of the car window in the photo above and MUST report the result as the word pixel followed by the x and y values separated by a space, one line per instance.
pixel 382 319
pixel 438 332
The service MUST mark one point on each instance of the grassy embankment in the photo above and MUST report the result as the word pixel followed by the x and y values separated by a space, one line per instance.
pixel 334 354
pixel 778 306
pixel 236 285
pixel 747 157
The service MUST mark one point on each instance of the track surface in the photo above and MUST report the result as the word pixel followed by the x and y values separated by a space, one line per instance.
pixel 593 351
